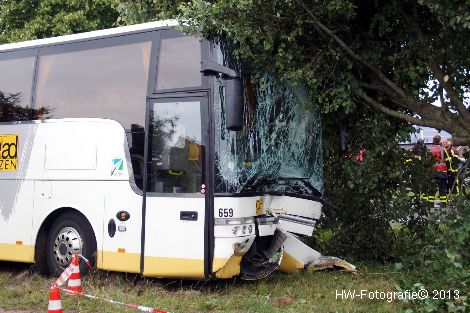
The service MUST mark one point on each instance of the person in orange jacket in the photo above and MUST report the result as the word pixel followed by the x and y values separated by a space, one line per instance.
pixel 439 175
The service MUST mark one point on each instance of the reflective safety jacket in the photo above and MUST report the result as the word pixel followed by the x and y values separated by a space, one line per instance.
pixel 440 155
pixel 452 160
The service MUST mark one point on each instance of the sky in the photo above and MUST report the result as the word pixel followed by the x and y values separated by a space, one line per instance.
pixel 427 133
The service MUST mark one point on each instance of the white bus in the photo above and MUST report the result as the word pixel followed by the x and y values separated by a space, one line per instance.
pixel 130 147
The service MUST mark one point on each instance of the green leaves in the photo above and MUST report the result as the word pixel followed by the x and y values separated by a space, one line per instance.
pixel 33 19
pixel 441 262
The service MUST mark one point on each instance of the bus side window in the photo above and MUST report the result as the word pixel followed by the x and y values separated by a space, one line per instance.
pixel 179 63
pixel 16 78
pixel 99 82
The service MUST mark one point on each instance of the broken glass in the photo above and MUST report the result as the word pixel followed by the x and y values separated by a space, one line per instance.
pixel 279 147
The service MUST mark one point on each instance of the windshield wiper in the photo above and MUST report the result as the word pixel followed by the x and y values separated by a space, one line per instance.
pixel 257 181
pixel 307 183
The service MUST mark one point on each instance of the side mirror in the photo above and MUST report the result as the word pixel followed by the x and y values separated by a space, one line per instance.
pixel 234 104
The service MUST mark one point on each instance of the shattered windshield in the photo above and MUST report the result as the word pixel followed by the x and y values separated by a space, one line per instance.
pixel 279 147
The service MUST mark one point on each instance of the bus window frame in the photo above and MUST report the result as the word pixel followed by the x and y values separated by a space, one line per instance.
pixel 179 93
pixel 21 54
pixel 99 43
pixel 203 97
pixel 18 54
pixel 205 55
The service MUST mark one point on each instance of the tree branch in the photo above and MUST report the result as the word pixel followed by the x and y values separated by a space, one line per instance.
pixel 351 53
pixel 405 117
pixel 370 86
pixel 434 115
pixel 460 140
pixel 411 102
pixel 438 73
pixel 456 101
pixel 404 103
pixel 430 116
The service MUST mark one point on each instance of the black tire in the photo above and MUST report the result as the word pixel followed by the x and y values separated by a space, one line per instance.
pixel 76 224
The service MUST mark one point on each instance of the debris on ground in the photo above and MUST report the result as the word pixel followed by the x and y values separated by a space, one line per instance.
pixel 330 262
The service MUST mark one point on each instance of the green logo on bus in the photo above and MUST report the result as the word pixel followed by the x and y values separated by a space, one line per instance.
pixel 118 166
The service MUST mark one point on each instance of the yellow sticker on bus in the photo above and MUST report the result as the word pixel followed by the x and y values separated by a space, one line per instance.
pixel 8 153
pixel 259 207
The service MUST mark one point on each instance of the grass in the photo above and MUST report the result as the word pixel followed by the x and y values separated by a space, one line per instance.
pixel 302 292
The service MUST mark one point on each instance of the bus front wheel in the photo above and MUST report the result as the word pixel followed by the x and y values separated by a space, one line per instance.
pixel 70 234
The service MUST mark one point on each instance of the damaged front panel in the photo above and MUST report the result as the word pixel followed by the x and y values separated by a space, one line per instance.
pixel 270 170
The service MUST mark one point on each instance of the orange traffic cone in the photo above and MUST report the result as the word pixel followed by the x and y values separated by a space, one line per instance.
pixel 75 283
pixel 55 304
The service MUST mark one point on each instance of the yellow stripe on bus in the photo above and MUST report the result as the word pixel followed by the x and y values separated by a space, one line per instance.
pixel 16 252
pixel 173 267
pixel 154 266
pixel 118 261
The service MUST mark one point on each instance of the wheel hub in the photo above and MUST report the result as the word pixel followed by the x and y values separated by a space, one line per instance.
pixel 67 242
pixel 63 249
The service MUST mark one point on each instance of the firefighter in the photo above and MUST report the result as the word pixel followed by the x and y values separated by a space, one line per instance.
pixel 452 163
pixel 439 171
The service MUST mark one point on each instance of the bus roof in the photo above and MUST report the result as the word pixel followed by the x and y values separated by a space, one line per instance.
pixel 88 35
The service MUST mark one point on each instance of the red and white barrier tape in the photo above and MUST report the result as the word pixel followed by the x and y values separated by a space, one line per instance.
pixel 133 306
pixel 68 272
pixel 64 276
pixel 86 260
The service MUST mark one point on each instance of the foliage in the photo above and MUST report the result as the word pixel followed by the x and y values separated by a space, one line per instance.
pixel 11 110
pixel 32 19
pixel 395 56
pixel 443 260
pixel 141 11
pixel 383 187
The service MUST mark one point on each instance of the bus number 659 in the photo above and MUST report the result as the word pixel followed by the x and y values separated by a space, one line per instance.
pixel 225 212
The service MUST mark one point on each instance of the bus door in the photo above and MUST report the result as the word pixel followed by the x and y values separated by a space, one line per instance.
pixel 175 205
